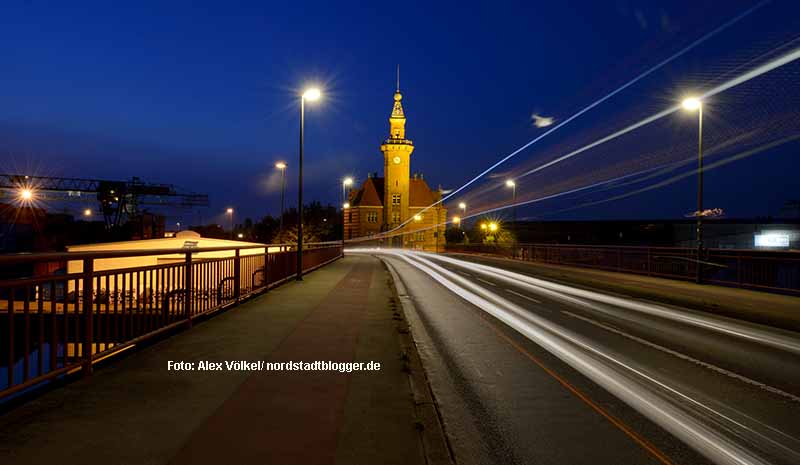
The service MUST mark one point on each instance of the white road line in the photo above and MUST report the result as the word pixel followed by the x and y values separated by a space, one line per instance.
pixel 524 296
pixel 486 282
pixel 682 356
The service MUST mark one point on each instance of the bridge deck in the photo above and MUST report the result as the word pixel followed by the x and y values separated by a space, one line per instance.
pixel 136 411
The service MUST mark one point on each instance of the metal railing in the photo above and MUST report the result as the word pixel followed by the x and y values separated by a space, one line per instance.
pixel 57 324
pixel 764 270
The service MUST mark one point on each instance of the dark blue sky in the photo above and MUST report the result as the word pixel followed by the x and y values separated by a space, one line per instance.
pixel 203 94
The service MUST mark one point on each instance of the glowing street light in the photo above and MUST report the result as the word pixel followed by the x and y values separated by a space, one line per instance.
pixel 229 212
pixel 311 95
pixel 456 220
pixel 510 183
pixel 417 217
pixel 346 205
pixel 87 212
pixel 282 166
pixel 493 226
pixel 26 194
pixel 240 235
pixel 483 226
pixel 695 104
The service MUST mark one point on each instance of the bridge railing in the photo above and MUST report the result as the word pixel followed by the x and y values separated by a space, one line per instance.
pixel 55 324
pixel 765 270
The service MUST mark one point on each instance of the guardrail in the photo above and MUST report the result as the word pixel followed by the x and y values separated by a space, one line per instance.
pixel 57 324
pixel 764 270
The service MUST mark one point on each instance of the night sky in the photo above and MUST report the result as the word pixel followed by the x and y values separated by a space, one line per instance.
pixel 204 95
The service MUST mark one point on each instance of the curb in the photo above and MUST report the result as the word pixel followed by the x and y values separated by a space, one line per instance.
pixel 434 441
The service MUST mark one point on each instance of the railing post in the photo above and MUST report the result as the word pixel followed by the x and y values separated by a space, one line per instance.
pixel 88 300
pixel 187 287
pixel 237 276
pixel 266 268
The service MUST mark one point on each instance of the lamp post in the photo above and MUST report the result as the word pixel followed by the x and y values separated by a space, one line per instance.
pixel 346 182
pixel 310 95
pixel 229 212
pixel 513 185
pixel 692 104
pixel 282 166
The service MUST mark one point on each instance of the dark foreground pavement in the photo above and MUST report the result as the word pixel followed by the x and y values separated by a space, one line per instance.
pixel 135 411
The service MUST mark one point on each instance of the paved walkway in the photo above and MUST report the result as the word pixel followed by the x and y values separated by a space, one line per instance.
pixel 775 310
pixel 135 411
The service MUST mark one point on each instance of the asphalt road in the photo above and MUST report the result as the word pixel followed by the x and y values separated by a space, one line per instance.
pixel 527 371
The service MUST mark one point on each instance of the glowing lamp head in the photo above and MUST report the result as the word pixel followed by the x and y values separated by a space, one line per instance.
pixel 493 226
pixel 510 183
pixel 483 226
pixel 417 217
pixel 240 235
pixel 312 94
pixel 26 194
pixel 691 104
pixel 229 211
pixel 347 181
pixel 346 205
pixel 87 212
pixel 462 205
pixel 280 165
pixel 456 220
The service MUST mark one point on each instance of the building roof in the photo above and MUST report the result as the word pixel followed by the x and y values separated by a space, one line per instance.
pixel 371 193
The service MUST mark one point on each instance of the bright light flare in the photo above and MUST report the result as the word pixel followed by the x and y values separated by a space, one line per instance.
pixel 229 211
pixel 417 217
pixel 456 220
pixel 510 183
pixel 347 181
pixel 312 94
pixel 26 194
pixel 493 226
pixel 691 104
pixel 280 165
pixel 87 212
pixel 462 206
pixel 240 235
pixel 346 205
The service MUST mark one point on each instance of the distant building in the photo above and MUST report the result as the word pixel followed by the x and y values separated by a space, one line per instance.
pixel 384 203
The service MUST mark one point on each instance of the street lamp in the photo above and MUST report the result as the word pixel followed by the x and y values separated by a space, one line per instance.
pixel 229 212
pixel 346 182
pixel 492 226
pixel 240 235
pixel 510 183
pixel 26 194
pixel 456 220
pixel 310 95
pixel 695 104
pixel 282 166
pixel 87 212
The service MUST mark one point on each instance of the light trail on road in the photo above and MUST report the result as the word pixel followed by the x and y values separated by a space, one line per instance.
pixel 723 432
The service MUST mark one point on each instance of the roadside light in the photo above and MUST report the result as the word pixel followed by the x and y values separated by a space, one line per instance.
pixel 691 103
pixel 312 94
pixel 483 226
pixel 417 217
pixel 87 212
pixel 280 165
pixel 346 205
pixel 456 220
pixel 240 235
pixel 492 226
pixel 510 183
pixel 26 194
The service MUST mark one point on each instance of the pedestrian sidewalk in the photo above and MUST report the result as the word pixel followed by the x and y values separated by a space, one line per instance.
pixel 135 411
pixel 775 310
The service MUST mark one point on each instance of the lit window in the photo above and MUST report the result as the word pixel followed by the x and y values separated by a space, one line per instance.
pixel 395 217
pixel 396 199
pixel 372 217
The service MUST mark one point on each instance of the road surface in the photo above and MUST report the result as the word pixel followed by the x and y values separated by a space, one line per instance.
pixel 527 371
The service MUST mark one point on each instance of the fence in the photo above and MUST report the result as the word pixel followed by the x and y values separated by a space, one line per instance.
pixel 62 323
pixel 750 269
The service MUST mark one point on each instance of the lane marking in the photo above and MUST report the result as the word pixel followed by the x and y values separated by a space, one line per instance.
pixel 688 358
pixel 636 437
pixel 524 296
pixel 486 282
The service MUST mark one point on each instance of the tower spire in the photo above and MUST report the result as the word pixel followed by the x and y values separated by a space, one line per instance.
pixel 398 77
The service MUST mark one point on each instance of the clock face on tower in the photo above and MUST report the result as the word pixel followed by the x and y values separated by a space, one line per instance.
pixel 396 160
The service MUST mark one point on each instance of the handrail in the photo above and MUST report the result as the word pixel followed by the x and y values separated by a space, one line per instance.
pixel 26 257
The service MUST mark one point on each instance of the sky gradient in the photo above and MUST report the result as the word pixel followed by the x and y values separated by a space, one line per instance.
pixel 204 94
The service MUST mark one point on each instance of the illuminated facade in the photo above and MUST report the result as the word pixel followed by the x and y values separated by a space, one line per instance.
pixel 384 203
